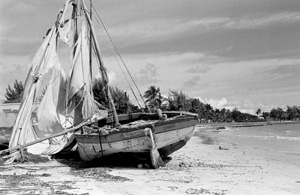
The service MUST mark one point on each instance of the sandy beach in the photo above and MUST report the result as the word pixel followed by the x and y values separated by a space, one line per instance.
pixel 204 166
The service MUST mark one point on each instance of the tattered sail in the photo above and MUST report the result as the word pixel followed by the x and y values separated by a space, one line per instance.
pixel 80 97
pixel 65 25
pixel 66 101
pixel 39 65
pixel 53 103
pixel 68 105
pixel 23 131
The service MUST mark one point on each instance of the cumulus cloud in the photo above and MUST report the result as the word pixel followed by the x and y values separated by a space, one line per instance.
pixel 245 106
pixel 222 103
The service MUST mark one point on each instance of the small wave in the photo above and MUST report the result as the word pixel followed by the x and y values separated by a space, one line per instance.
pixel 288 138
pixel 270 137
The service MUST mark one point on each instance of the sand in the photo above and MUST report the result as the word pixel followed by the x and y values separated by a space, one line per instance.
pixel 198 168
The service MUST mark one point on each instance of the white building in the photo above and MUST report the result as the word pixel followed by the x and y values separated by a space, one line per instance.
pixel 8 113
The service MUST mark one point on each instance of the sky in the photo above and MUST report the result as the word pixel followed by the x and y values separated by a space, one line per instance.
pixel 229 53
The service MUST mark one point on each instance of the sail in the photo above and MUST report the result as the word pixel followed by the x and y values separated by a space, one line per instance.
pixel 66 101
pixel 32 124
pixel 22 130
pixel 39 64
pixel 65 24
pixel 53 102
pixel 80 96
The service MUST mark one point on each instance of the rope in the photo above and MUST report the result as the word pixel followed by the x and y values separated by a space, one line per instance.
pixel 100 142
pixel 124 75
pixel 119 56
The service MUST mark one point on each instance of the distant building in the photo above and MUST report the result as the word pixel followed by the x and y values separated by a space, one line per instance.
pixel 8 113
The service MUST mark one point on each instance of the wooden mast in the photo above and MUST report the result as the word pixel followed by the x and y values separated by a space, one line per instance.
pixel 91 40
pixel 74 18
pixel 102 67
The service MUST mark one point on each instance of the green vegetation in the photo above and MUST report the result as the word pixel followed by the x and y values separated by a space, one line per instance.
pixel 278 114
pixel 120 98
pixel 175 101
pixel 14 95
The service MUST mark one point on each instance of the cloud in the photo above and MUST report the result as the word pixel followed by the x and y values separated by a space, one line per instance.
pixel 198 69
pixel 245 106
pixel 110 74
pixel 19 46
pixel 284 71
pixel 162 29
pixel 19 7
pixel 8 74
pixel 12 9
pixel 192 82
pixel 147 75
pixel 247 22
pixel 222 103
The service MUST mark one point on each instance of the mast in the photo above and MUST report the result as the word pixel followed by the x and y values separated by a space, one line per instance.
pixel 91 40
pixel 102 67
pixel 74 18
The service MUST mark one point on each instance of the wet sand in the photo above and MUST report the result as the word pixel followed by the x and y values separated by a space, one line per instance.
pixel 204 166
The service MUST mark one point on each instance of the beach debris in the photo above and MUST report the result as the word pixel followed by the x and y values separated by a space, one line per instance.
pixel 100 174
pixel 203 191
pixel 223 148
pixel 173 187
pixel 182 164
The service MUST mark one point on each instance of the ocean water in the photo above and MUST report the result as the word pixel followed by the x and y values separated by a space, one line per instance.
pixel 283 138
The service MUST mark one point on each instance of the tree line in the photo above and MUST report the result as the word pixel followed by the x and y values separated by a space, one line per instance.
pixel 292 113
pixel 175 101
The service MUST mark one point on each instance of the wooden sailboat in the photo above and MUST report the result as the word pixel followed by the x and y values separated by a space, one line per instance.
pixel 137 133
pixel 68 113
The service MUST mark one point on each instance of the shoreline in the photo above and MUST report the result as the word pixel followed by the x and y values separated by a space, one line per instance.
pixel 197 168
pixel 218 126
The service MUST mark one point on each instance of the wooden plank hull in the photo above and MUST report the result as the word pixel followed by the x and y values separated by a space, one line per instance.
pixel 170 135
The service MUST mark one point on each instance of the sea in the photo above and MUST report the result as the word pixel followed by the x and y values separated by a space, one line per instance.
pixel 283 138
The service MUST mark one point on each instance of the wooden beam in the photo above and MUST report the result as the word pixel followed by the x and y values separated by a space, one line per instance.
pixel 45 138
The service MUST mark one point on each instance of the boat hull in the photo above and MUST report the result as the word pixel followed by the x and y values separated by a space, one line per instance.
pixel 170 135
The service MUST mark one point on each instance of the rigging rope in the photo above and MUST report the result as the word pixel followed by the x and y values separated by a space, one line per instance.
pixel 110 39
pixel 126 78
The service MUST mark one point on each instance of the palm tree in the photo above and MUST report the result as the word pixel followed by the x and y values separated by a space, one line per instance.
pixel 14 95
pixel 179 101
pixel 258 112
pixel 99 92
pixel 120 98
pixel 153 96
